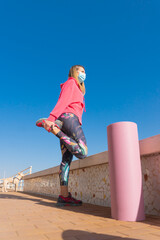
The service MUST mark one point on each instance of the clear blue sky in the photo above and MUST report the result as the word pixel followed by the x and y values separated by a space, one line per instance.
pixel 118 42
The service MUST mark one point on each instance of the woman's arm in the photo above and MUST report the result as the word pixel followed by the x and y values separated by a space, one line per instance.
pixel 64 100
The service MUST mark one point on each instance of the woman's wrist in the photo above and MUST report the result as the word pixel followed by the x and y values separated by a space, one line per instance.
pixel 51 118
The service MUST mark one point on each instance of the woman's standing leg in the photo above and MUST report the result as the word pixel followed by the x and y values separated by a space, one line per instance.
pixel 67 157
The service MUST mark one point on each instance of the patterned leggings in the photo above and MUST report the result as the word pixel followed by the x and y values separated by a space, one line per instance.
pixel 72 142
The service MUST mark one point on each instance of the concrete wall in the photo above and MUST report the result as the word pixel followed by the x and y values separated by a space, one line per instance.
pixel 89 178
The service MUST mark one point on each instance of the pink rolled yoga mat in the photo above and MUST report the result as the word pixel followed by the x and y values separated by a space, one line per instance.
pixel 127 202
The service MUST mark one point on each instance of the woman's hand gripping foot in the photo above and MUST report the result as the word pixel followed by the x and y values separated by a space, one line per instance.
pixel 51 127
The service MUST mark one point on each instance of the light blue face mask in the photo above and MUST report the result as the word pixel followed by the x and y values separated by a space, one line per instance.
pixel 81 77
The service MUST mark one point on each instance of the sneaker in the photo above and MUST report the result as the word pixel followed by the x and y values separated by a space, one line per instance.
pixel 40 122
pixel 68 201
pixel 74 199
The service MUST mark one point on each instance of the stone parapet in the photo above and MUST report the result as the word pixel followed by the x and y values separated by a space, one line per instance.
pixel 89 178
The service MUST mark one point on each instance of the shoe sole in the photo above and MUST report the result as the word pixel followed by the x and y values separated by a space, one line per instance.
pixel 67 204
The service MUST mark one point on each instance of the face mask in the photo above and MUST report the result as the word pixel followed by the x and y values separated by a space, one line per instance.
pixel 81 77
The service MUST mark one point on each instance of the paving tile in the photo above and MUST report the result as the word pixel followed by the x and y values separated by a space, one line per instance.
pixel 54 236
pixel 35 237
pixel 155 233
pixel 148 237
pixel 28 232
pixel 8 234
pixel 47 228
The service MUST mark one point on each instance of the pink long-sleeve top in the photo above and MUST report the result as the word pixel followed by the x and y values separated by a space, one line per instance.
pixel 71 100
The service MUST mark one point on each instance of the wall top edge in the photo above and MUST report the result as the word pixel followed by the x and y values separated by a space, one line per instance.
pixel 150 145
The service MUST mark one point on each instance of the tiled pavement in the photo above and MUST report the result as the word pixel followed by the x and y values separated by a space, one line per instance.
pixel 28 217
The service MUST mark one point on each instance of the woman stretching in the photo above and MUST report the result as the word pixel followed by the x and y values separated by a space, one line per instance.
pixel 65 122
